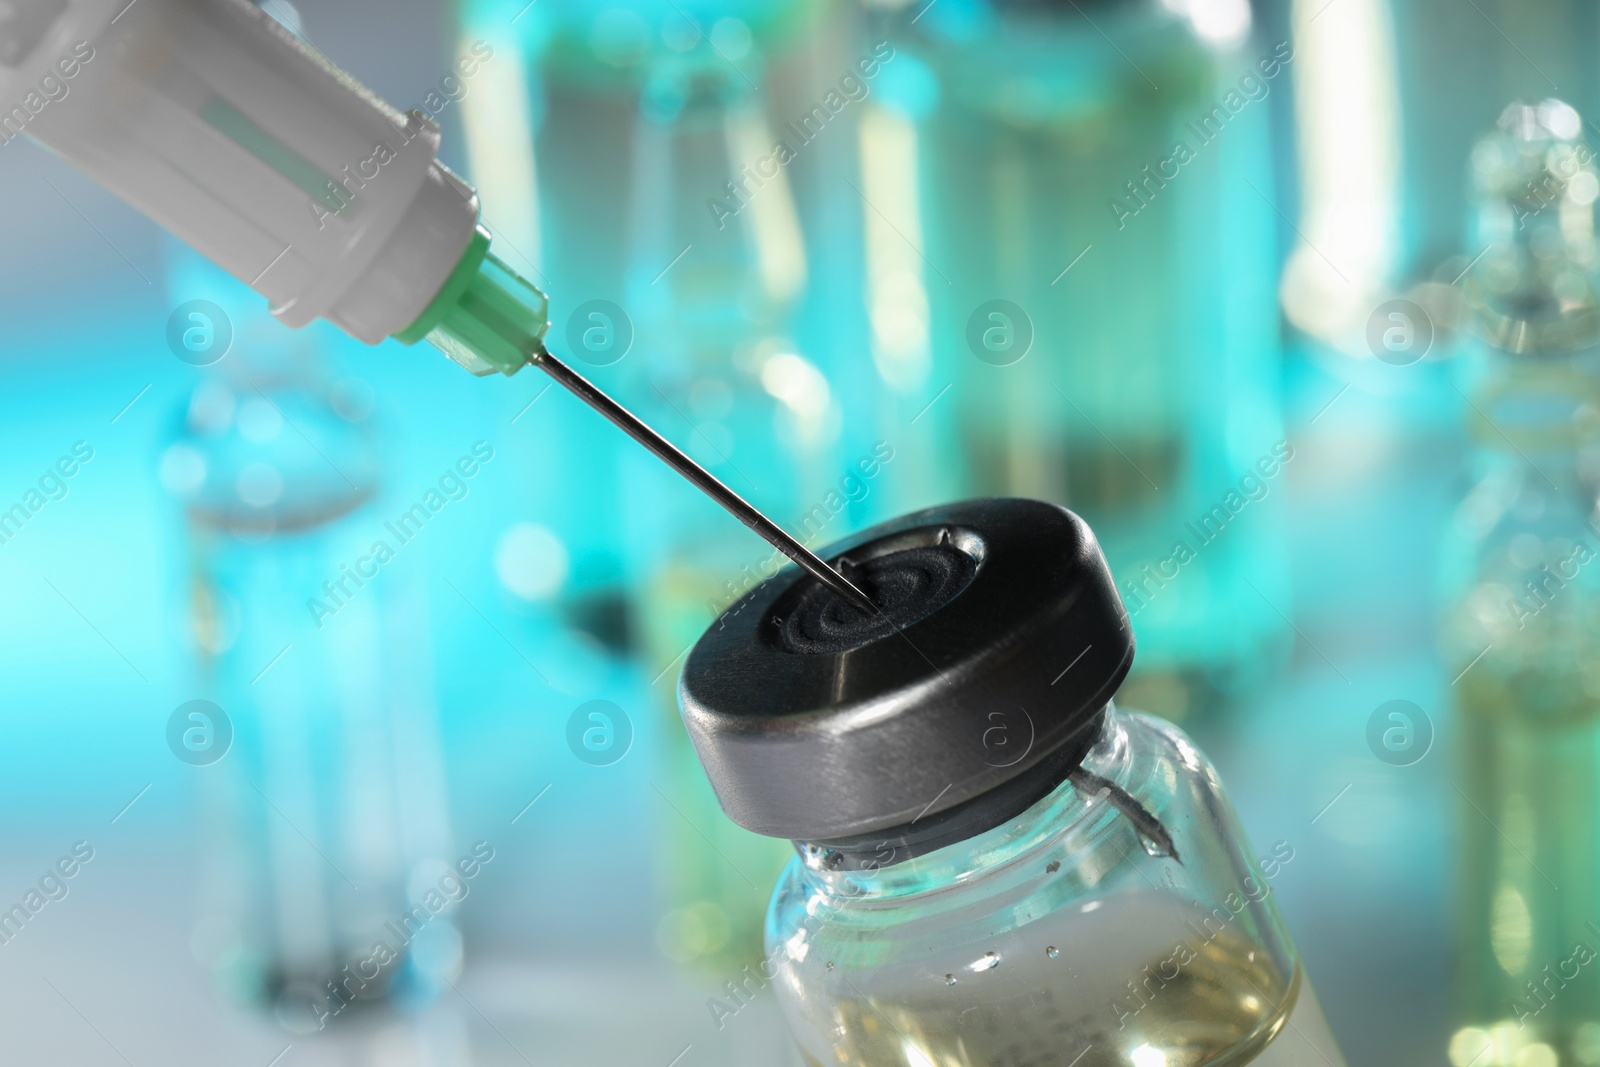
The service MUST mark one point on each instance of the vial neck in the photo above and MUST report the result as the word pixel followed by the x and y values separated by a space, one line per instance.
pixel 1536 415
pixel 895 864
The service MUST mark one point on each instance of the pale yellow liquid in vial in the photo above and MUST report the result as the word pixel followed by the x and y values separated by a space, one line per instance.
pixel 1530 789
pixel 1228 1005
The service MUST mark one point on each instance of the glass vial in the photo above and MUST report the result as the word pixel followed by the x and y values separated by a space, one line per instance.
pixel 327 809
pixel 717 270
pixel 996 865
pixel 1522 634
pixel 1096 184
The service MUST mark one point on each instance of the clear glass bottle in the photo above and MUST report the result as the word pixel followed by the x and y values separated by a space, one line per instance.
pixel 1105 170
pixel 996 865
pixel 714 296
pixel 1065 930
pixel 327 813
pixel 1521 637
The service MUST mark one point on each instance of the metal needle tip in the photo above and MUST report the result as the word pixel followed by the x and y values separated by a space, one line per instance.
pixel 702 479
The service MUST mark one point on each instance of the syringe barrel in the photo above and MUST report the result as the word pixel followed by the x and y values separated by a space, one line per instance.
pixel 224 127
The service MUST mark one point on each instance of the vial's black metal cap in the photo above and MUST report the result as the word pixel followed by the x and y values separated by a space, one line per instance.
pixel 1001 639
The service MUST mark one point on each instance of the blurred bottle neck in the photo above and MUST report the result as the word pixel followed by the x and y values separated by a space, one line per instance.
pixel 1537 410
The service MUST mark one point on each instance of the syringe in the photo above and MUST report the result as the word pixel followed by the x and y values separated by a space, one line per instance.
pixel 224 127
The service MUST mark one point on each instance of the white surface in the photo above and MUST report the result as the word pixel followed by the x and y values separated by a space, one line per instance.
pixel 107 976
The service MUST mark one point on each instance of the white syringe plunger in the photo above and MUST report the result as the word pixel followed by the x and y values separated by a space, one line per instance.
pixel 220 124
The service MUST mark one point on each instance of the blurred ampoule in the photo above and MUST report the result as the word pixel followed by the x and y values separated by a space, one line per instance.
pixel 1098 246
pixel 1521 636
pixel 717 268
pixel 676 290
pixel 317 750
